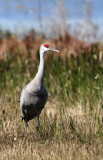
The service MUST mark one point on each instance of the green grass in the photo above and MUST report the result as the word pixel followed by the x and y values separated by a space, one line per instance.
pixel 71 123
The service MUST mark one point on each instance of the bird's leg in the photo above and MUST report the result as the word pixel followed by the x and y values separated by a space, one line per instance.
pixel 26 124
pixel 25 129
pixel 37 127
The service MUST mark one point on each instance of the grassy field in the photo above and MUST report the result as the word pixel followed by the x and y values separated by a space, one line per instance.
pixel 71 125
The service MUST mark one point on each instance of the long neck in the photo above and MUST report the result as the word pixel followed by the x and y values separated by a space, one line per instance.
pixel 37 82
pixel 40 73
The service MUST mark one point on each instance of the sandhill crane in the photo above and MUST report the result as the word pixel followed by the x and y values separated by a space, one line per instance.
pixel 34 95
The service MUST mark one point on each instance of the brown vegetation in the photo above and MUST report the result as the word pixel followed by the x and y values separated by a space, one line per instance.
pixel 67 45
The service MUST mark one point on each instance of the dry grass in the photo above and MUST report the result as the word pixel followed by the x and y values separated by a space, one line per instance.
pixel 50 150
pixel 57 138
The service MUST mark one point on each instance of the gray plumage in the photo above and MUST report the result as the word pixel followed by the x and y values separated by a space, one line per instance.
pixel 34 95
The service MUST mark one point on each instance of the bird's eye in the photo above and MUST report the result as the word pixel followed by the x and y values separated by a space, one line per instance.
pixel 46 45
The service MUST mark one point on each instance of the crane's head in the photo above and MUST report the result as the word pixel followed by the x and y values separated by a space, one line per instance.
pixel 45 47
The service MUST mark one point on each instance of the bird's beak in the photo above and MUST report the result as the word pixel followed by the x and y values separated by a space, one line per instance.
pixel 52 49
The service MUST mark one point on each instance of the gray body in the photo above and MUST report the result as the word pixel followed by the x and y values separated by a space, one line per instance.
pixel 32 102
